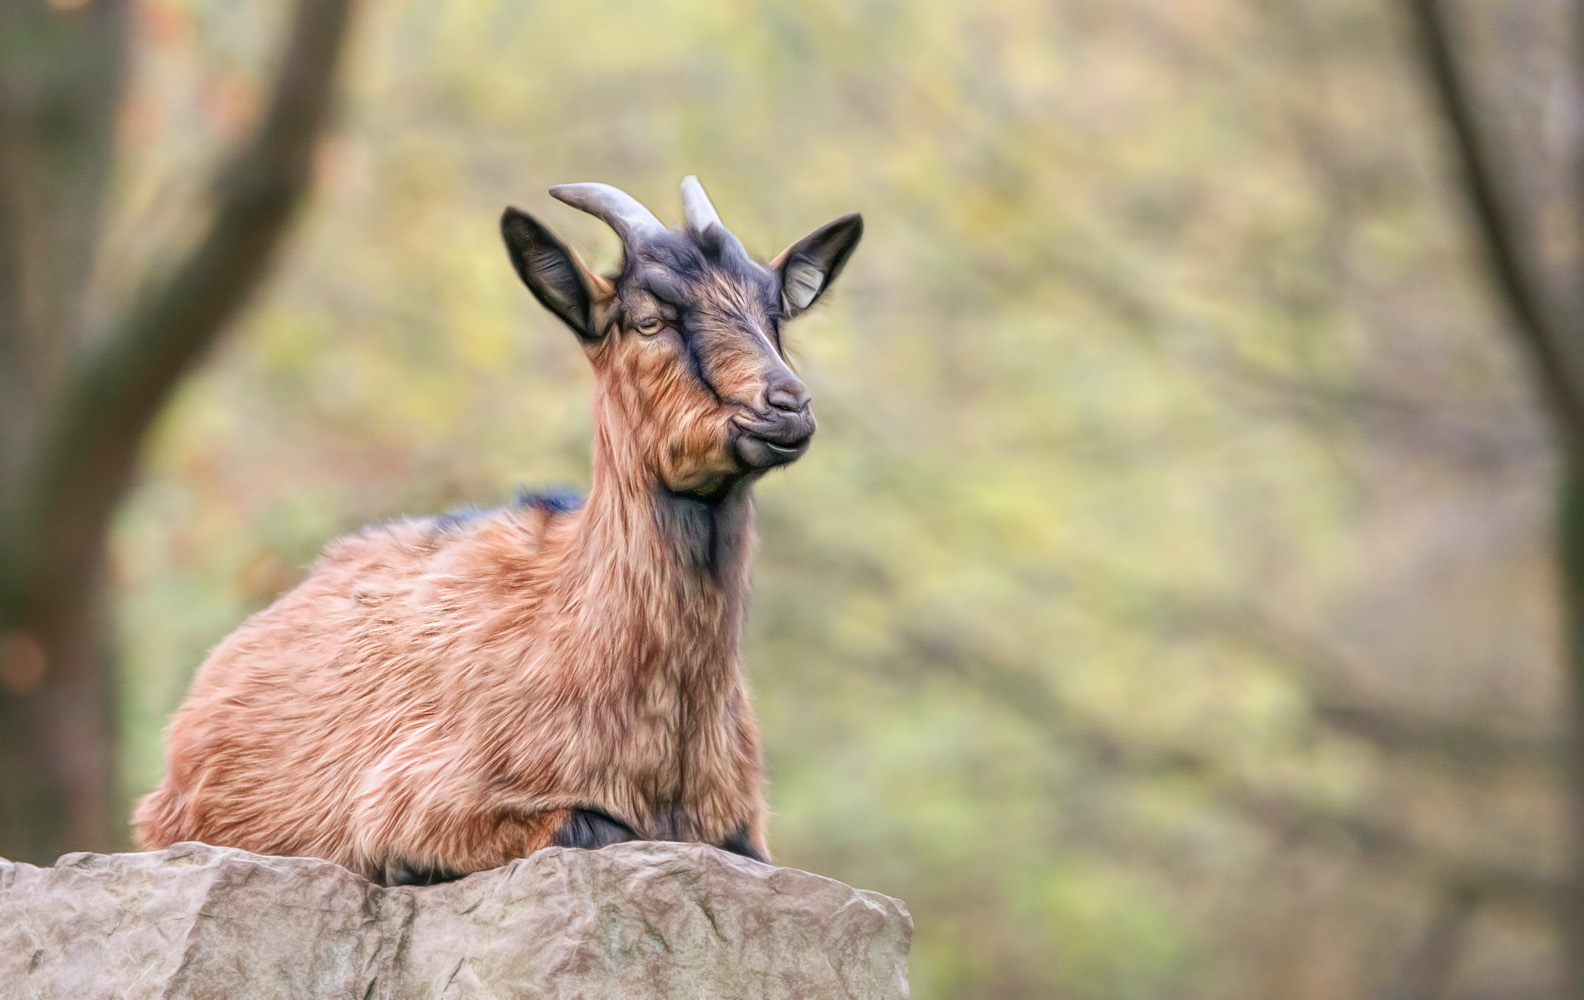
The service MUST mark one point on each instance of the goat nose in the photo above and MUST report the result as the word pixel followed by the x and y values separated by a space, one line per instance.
pixel 788 395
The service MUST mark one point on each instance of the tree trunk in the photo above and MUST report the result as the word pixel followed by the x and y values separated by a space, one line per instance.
pixel 58 729
pixel 1571 532
pixel 1546 326
pixel 61 78
pixel 75 405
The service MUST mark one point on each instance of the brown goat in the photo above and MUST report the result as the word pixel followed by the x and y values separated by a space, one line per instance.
pixel 440 696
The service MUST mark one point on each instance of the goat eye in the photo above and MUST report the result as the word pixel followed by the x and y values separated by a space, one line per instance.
pixel 650 327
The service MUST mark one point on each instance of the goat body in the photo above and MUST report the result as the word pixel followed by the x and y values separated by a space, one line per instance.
pixel 440 696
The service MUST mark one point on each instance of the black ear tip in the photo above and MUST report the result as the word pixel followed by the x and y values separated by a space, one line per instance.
pixel 517 222
pixel 511 223
pixel 848 228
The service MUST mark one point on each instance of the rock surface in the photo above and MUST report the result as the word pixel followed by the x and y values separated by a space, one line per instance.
pixel 642 920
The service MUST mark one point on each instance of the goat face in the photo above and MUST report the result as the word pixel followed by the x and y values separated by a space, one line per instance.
pixel 686 339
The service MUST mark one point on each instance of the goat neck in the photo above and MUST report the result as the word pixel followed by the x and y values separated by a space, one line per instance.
pixel 669 570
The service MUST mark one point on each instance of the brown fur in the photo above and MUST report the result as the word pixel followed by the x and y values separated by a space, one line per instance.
pixel 441 695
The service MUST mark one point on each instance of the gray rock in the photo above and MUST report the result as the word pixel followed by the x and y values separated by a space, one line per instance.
pixel 642 920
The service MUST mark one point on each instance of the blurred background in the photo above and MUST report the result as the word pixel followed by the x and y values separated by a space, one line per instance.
pixel 1172 603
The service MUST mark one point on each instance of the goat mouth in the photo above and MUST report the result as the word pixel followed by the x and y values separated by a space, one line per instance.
pixel 759 452
pixel 766 440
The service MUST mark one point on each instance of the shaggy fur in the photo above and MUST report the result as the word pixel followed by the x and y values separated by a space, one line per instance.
pixel 440 696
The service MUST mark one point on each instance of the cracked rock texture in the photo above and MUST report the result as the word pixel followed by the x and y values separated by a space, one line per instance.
pixel 642 920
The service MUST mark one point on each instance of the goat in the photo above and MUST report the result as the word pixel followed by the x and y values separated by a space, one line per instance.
pixel 438 697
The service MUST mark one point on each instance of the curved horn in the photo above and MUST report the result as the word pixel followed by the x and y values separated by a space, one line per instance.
pixel 613 206
pixel 696 207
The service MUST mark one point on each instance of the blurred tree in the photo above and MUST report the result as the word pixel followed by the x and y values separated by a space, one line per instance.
pixel 77 395
pixel 1546 319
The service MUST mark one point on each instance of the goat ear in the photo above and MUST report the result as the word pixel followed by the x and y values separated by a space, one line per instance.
pixel 560 281
pixel 807 267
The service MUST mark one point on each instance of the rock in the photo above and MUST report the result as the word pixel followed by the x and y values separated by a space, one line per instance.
pixel 640 920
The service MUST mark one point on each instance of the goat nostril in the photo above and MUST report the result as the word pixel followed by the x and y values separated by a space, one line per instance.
pixel 788 396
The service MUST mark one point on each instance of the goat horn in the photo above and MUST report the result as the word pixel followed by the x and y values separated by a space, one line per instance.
pixel 696 207
pixel 613 206
pixel 700 214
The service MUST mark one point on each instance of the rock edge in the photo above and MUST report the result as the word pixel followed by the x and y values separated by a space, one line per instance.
pixel 640 920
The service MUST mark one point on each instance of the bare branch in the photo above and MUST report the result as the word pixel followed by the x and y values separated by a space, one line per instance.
pixel 1498 218
pixel 1466 743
